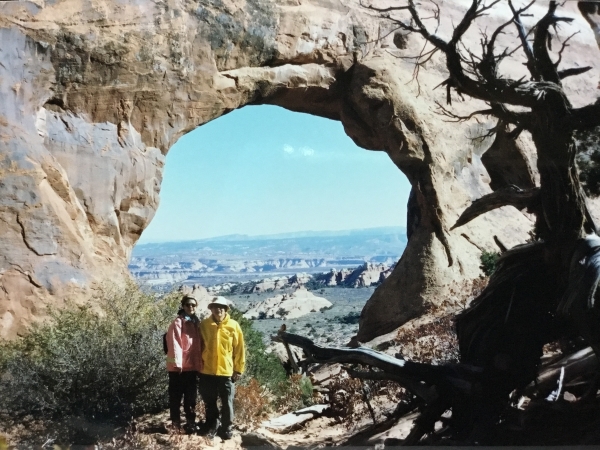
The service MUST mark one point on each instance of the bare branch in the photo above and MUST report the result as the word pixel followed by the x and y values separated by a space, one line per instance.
pixel 511 195
pixel 523 36
pixel 488 65
pixel 544 65
pixel 562 49
pixel 562 74
pixel 521 119
pixel 420 390
pixel 450 377
pixel 422 29
pixel 457 118
pixel 494 90
pixel 383 10
pixel 472 13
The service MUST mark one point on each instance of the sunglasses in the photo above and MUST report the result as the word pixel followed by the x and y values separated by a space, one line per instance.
pixel 191 305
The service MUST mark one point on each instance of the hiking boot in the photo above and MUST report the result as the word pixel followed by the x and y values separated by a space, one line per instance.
pixel 190 428
pixel 174 427
pixel 211 430
pixel 226 434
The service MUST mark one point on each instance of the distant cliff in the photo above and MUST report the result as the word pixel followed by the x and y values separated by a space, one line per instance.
pixel 173 262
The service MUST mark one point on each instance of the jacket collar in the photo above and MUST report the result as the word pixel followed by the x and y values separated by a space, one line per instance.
pixel 188 317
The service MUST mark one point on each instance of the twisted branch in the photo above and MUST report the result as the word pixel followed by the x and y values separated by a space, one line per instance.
pixel 511 195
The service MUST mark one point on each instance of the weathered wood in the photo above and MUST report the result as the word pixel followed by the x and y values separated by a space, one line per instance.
pixel 508 196
pixel 423 380
pixel 583 362
pixel 291 421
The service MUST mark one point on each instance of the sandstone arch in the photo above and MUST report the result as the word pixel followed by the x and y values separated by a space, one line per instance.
pixel 92 98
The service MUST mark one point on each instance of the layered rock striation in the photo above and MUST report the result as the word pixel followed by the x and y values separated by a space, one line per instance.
pixel 93 95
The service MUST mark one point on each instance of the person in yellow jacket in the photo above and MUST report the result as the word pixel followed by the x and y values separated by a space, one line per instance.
pixel 223 361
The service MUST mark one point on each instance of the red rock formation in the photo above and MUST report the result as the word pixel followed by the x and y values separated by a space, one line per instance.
pixel 92 96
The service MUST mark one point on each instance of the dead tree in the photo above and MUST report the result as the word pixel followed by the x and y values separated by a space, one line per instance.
pixel 540 291
pixel 541 288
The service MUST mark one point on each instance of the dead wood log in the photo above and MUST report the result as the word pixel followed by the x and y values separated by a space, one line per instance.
pixel 508 196
pixel 581 363
pixel 416 377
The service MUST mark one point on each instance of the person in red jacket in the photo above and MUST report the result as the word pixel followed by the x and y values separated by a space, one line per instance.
pixel 184 362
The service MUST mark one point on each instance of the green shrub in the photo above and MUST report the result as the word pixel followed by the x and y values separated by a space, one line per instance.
pixel 352 318
pixel 489 261
pixel 263 366
pixel 293 393
pixel 82 363
pixel 289 393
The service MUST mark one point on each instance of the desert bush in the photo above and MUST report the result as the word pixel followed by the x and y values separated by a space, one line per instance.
pixel 489 260
pixel 100 363
pixel 266 379
pixel 432 338
pixel 263 366
pixel 347 398
pixel 352 318
pixel 251 402
pixel 588 160
pixel 433 343
pixel 293 393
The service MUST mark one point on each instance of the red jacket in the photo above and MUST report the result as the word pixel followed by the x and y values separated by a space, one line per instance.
pixel 184 346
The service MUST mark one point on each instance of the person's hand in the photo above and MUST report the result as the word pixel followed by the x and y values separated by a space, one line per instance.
pixel 235 376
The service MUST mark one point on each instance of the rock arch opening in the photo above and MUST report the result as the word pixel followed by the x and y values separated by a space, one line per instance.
pixel 264 200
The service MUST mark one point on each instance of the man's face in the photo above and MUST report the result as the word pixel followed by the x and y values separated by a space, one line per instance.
pixel 218 312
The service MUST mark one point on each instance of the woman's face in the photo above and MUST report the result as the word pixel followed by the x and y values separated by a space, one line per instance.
pixel 189 306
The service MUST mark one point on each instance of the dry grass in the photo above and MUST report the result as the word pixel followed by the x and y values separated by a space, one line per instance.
pixel 251 404
pixel 432 338
pixel 347 399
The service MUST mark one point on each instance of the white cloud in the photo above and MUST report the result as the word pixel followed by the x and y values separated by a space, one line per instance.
pixel 307 151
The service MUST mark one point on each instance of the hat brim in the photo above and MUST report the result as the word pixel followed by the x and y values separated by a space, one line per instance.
pixel 210 305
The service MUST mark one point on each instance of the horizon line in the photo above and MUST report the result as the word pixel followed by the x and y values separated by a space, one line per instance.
pixel 256 236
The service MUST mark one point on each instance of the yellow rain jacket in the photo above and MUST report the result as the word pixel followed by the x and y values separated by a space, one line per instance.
pixel 223 350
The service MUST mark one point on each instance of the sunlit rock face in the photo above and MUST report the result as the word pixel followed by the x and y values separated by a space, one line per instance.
pixel 93 95
pixel 288 306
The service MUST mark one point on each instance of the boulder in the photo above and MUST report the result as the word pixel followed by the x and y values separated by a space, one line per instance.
pixel 288 306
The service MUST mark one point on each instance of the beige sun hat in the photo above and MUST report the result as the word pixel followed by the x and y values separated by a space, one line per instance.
pixel 221 301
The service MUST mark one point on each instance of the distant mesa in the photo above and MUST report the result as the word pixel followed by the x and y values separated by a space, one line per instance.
pixel 274 283
pixel 365 275
pixel 274 256
pixel 288 306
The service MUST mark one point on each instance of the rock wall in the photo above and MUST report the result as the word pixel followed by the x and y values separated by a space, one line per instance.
pixel 93 95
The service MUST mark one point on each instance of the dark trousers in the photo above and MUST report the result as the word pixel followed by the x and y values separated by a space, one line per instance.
pixel 213 387
pixel 182 384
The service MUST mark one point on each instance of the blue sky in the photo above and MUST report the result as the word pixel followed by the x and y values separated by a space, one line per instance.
pixel 265 170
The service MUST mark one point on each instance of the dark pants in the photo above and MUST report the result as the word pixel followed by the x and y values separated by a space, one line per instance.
pixel 182 384
pixel 213 387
